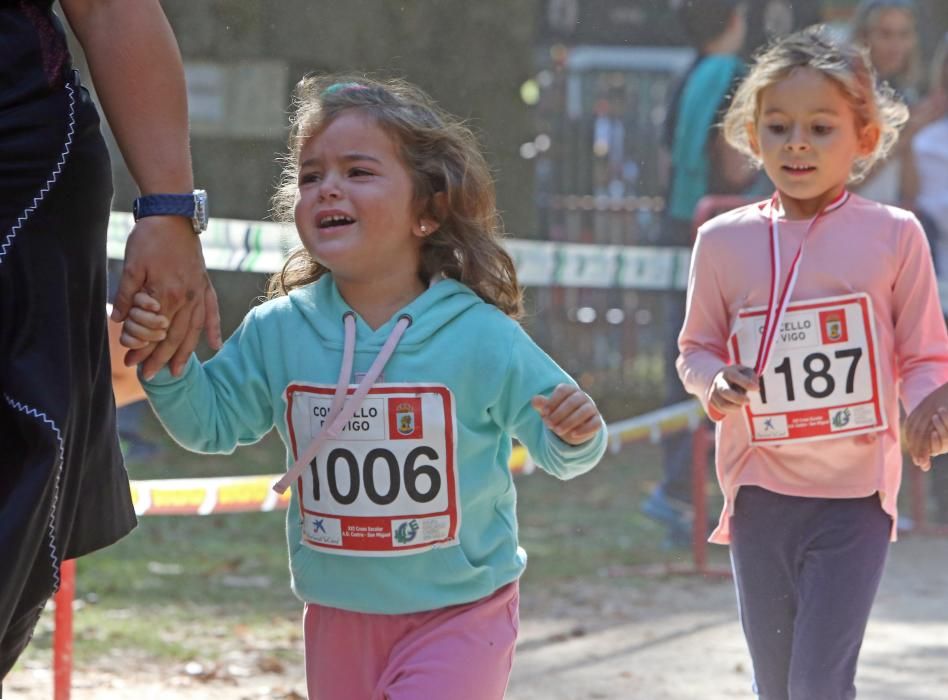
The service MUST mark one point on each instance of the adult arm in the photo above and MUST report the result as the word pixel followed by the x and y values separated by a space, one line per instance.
pixel 137 69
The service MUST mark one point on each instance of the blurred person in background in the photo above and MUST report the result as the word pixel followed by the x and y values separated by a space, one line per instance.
pixel 702 163
pixel 930 154
pixel 63 488
pixel 888 30
pixel 930 151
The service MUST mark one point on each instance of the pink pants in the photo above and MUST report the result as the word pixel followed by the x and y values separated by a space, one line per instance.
pixel 464 652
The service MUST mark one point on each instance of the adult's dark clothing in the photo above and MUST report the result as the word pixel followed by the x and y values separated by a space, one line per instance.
pixel 63 486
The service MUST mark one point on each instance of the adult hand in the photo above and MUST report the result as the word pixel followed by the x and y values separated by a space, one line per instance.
pixel 163 258
pixel 918 426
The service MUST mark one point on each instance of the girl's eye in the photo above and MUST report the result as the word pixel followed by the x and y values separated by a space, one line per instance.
pixel 776 128
pixel 306 178
pixel 360 172
pixel 822 129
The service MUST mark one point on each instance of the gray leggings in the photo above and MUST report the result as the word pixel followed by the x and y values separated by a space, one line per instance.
pixel 806 571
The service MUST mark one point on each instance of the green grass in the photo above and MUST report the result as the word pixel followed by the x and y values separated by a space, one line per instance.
pixel 181 588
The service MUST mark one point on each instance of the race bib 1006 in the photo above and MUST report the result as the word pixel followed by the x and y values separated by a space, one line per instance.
pixel 822 380
pixel 388 485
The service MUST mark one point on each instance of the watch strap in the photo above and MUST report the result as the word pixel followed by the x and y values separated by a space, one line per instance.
pixel 164 205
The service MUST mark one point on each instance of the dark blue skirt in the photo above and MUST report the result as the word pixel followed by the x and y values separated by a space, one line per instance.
pixel 63 486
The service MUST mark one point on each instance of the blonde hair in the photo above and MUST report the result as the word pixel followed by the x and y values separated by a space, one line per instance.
pixel 443 158
pixel 846 65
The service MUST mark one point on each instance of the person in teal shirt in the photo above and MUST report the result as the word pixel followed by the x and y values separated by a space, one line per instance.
pixel 702 163
pixel 391 364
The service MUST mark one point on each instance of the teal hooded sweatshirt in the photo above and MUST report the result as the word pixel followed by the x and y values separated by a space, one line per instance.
pixel 412 506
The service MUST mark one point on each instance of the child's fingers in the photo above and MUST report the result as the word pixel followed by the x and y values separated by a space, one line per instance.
pixel 741 378
pixel 935 445
pixel 940 423
pixel 563 402
pixel 584 432
pixel 726 399
pixel 142 332
pixel 939 433
pixel 561 393
pixel 146 301
pixel 571 414
pixel 540 404
pixel 148 319
pixel 132 343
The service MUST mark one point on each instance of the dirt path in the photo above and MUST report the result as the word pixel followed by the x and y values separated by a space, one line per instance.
pixel 679 638
pixel 613 637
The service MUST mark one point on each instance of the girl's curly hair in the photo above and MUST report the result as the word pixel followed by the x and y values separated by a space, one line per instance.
pixel 442 156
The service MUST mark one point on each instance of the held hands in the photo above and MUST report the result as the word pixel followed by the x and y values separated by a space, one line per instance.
pixel 144 324
pixel 569 413
pixel 926 428
pixel 163 258
pixel 729 388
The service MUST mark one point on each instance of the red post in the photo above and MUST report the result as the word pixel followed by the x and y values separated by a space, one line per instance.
pixel 62 635
pixel 699 468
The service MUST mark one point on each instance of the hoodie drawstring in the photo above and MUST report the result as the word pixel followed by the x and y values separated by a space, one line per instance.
pixel 341 410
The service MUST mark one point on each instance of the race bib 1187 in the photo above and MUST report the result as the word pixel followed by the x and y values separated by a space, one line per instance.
pixel 822 380
pixel 388 485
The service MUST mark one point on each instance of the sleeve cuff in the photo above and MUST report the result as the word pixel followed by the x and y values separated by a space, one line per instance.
pixel 164 377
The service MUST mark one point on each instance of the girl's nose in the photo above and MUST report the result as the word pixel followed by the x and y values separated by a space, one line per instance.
pixel 329 188
pixel 796 138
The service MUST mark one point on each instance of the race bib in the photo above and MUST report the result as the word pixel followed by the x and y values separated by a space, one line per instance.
pixel 388 485
pixel 822 380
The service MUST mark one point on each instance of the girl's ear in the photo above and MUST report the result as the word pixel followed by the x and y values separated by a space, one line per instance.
pixel 752 140
pixel 425 227
pixel 869 138
pixel 431 216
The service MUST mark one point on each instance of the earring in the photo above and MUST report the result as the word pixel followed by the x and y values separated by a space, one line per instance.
pixel 424 229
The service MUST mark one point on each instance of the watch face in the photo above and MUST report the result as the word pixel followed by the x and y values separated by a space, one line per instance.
pixel 200 211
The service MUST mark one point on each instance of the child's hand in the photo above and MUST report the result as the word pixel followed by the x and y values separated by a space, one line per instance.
pixel 144 323
pixel 920 426
pixel 730 386
pixel 569 413
pixel 939 439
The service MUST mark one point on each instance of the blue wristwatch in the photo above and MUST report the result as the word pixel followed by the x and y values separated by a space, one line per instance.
pixel 193 206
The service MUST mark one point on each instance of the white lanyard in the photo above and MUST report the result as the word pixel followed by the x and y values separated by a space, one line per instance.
pixel 777 308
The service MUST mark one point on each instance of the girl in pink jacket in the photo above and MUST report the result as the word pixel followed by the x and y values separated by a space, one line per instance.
pixel 809 316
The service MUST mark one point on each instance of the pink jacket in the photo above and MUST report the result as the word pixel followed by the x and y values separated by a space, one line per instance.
pixel 858 246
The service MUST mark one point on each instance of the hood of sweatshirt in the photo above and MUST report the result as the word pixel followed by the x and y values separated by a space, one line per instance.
pixel 338 325
pixel 324 309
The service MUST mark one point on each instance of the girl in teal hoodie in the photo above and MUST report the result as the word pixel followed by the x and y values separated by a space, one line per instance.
pixel 389 359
